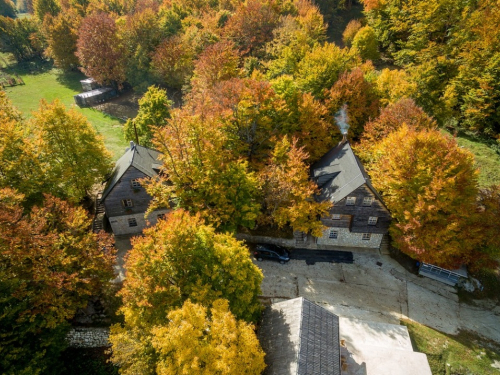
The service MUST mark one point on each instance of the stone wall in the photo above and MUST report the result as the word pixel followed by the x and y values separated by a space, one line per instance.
pixel 349 239
pixel 264 239
pixel 120 224
pixel 83 337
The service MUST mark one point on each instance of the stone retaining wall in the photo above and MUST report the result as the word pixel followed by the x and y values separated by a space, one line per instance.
pixel 83 337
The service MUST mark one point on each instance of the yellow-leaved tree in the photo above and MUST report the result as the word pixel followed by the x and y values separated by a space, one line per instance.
pixel 199 340
pixel 181 258
pixel 288 191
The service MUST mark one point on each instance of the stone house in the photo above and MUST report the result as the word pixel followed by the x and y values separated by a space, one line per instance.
pixel 125 200
pixel 358 217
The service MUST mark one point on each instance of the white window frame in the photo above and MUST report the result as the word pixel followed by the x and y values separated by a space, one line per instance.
pixel 127 203
pixel 336 216
pixel 367 201
pixel 372 220
pixel 132 222
pixel 135 183
pixel 350 201
pixel 366 236
pixel 333 234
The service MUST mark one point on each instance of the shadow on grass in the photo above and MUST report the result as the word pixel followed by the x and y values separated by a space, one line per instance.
pixel 34 66
pixel 71 79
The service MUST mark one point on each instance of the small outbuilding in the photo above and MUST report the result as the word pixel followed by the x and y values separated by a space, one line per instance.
pixel 450 277
pixel 96 96
pixel 89 84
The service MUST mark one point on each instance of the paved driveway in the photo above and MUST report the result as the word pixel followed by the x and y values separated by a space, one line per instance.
pixel 378 289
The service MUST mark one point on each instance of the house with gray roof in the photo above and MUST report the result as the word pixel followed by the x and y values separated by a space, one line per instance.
pixel 358 217
pixel 124 198
pixel 302 338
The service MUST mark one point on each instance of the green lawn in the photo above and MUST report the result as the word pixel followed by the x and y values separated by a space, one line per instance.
pixel 44 82
pixel 487 160
pixel 464 353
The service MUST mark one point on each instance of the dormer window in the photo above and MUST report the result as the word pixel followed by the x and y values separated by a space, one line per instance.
pixel 135 183
pixel 367 201
pixel 350 201
pixel 335 217
pixel 372 220
pixel 127 203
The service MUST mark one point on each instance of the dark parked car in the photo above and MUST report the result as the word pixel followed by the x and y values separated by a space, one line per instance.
pixel 271 252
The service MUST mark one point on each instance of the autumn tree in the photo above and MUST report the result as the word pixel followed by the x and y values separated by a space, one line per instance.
pixel 360 96
pixel 50 263
pixel 154 110
pixel 21 37
pixel 61 32
pixel 392 118
pixel 288 191
pixel 365 44
pixel 393 85
pixel 204 175
pixel 7 9
pixel 251 26
pixel 307 119
pixel 198 340
pixel 218 62
pixel 172 62
pixel 251 113
pixel 140 34
pixel 44 7
pixel 72 154
pixel 321 67
pixel 99 50
pixel 350 31
pixel 430 186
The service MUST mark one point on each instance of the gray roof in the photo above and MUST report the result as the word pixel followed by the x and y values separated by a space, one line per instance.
pixel 95 92
pixel 339 172
pixel 143 158
pixel 299 338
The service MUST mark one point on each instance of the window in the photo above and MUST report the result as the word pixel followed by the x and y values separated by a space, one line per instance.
pixel 367 201
pixel 372 220
pixel 333 234
pixel 127 203
pixel 367 236
pixel 335 217
pixel 350 201
pixel 135 183
pixel 132 222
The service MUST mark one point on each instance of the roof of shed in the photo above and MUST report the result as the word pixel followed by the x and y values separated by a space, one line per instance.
pixel 339 172
pixel 300 337
pixel 143 158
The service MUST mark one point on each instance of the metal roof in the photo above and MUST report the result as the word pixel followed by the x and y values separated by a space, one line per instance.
pixel 143 158
pixel 299 338
pixel 339 172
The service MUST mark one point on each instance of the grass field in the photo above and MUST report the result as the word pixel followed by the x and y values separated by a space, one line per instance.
pixel 462 354
pixel 487 160
pixel 44 82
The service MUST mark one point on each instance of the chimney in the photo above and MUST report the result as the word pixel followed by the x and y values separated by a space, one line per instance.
pixel 132 145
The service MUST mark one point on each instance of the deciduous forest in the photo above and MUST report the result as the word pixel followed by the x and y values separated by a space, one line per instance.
pixel 261 83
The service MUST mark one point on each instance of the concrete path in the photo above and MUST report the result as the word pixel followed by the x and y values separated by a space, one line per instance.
pixel 382 293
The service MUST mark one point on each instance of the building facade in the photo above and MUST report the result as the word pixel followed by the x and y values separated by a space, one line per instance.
pixel 125 199
pixel 358 217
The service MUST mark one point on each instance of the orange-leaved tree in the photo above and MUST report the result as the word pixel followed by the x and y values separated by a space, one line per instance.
pixel 360 96
pixel 50 263
pixel 391 118
pixel 430 186
pixel 288 191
